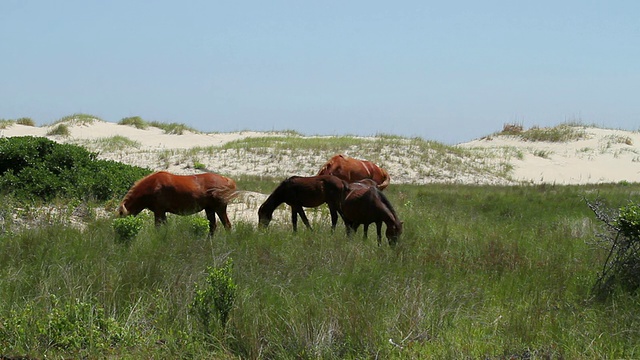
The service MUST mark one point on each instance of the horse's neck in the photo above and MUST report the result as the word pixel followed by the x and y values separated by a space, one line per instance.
pixel 271 204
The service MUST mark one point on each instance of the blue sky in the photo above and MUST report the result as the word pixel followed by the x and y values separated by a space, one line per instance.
pixel 446 71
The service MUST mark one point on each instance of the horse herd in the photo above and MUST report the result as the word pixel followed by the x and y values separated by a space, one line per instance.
pixel 350 187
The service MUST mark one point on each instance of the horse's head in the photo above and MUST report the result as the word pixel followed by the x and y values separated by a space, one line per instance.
pixel 264 217
pixel 394 231
pixel 122 210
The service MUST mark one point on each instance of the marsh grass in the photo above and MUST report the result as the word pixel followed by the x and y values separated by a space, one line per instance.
pixel 113 143
pixel 173 128
pixel 561 133
pixel 135 121
pixel 61 129
pixel 480 272
pixel 4 123
pixel 77 119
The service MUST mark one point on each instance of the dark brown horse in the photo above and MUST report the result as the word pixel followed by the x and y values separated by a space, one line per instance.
pixel 351 170
pixel 299 192
pixel 163 192
pixel 365 204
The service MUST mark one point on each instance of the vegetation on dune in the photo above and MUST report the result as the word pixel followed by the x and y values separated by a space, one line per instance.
pixel 560 133
pixel 135 121
pixel 77 119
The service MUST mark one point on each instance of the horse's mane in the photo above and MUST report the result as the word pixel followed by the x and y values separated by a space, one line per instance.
pixel 134 187
pixel 386 201
pixel 330 163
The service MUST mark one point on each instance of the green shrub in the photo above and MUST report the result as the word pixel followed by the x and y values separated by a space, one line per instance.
pixel 216 297
pixel 622 240
pixel 38 168
pixel 199 226
pixel 629 221
pixel 127 228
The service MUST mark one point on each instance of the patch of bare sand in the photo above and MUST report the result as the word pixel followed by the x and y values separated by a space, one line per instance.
pixel 601 156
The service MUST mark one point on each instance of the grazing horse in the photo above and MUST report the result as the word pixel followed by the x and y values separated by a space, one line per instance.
pixel 299 192
pixel 163 192
pixel 351 170
pixel 365 204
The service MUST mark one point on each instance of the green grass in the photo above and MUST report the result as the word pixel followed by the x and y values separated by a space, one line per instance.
pixel 480 272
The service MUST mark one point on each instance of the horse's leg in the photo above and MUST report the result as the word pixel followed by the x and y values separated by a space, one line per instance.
pixel 211 216
pixel 222 214
pixel 379 230
pixel 160 217
pixel 303 216
pixel 334 218
pixel 294 218
pixel 365 230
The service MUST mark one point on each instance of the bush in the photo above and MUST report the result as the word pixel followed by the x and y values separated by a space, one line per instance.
pixel 38 168
pixel 199 226
pixel 621 237
pixel 216 297
pixel 127 228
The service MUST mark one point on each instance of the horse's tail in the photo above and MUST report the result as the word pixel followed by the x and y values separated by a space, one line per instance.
pixel 386 181
pixel 227 193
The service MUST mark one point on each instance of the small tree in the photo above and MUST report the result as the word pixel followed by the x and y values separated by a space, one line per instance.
pixel 216 297
pixel 621 236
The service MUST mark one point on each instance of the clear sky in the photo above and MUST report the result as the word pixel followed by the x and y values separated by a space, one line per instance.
pixel 449 71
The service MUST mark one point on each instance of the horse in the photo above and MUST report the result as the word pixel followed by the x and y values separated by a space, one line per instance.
pixel 365 204
pixel 299 192
pixel 352 170
pixel 163 192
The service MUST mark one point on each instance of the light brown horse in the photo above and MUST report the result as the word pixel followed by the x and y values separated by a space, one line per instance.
pixel 365 204
pixel 163 192
pixel 299 192
pixel 351 170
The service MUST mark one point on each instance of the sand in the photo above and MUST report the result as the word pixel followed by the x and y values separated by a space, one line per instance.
pixel 600 156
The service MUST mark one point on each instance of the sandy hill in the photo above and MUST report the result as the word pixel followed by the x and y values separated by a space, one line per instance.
pixel 593 155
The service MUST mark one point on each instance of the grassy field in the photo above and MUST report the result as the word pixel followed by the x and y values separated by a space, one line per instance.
pixel 480 272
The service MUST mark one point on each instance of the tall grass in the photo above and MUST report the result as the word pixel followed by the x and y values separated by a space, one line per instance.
pixel 480 272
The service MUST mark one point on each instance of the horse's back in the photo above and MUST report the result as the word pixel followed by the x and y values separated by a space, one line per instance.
pixel 352 170
pixel 366 204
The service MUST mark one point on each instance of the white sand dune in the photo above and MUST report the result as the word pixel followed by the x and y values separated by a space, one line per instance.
pixel 601 156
